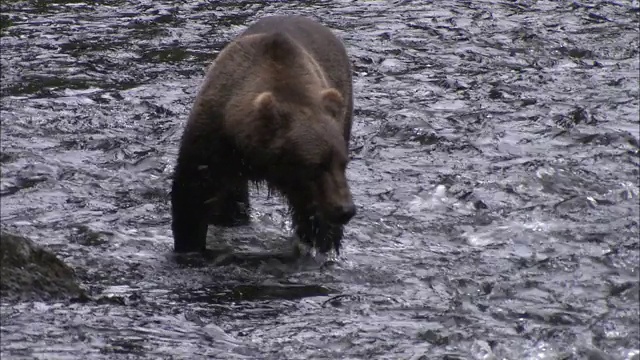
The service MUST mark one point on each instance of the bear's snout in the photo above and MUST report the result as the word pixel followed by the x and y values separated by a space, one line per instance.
pixel 341 214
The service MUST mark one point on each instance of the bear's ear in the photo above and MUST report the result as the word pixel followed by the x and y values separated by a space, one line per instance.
pixel 268 117
pixel 332 101
pixel 265 103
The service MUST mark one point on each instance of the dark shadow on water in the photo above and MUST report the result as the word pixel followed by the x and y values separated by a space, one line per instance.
pixel 252 261
pixel 226 256
pixel 253 292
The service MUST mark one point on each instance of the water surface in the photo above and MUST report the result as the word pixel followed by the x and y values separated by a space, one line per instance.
pixel 494 162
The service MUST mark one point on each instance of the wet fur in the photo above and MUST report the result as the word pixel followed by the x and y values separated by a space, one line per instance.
pixel 279 64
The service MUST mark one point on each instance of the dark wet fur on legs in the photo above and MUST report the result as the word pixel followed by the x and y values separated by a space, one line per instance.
pixel 230 207
pixel 189 223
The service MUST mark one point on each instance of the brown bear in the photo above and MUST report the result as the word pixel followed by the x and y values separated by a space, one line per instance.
pixel 275 107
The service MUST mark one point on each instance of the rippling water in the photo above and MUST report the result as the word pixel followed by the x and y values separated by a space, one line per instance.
pixel 495 167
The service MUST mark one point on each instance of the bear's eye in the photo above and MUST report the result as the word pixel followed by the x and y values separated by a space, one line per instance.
pixel 319 167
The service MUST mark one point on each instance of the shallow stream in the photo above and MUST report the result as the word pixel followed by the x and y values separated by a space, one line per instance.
pixel 495 165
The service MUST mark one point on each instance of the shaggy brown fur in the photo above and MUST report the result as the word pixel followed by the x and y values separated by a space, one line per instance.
pixel 275 107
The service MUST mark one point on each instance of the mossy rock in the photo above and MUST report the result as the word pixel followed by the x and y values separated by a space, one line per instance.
pixel 30 273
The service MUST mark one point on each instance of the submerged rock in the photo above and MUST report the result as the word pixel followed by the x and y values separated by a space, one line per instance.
pixel 29 272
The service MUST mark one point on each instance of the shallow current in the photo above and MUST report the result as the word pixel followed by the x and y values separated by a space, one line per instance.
pixel 495 164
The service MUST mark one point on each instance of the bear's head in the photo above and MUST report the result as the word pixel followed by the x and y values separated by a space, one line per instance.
pixel 301 138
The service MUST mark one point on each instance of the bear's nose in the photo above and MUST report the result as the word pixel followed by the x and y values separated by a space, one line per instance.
pixel 344 213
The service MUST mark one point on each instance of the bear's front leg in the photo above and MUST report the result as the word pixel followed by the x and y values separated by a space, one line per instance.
pixel 317 233
pixel 189 223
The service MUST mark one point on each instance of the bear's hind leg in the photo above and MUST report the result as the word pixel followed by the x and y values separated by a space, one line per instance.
pixel 229 205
